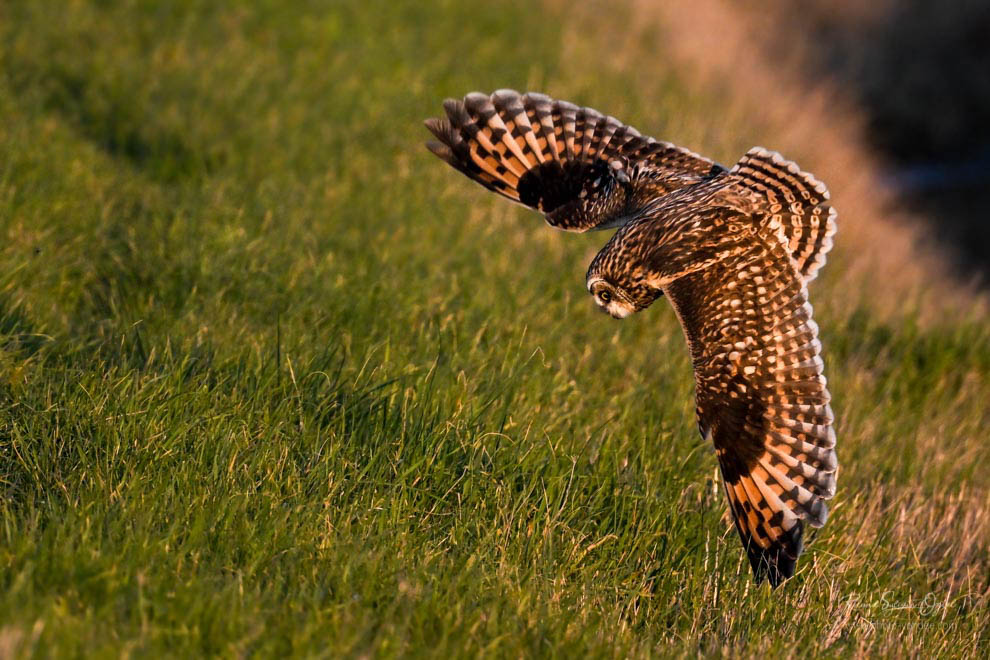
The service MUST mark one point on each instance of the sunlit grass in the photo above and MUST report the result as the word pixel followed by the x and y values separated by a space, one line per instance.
pixel 275 380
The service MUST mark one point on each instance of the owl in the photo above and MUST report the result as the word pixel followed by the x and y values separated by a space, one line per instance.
pixel 733 250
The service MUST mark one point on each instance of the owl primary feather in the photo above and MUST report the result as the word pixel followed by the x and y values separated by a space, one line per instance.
pixel 733 250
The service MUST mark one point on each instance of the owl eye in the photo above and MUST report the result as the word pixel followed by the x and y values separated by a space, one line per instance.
pixel 605 296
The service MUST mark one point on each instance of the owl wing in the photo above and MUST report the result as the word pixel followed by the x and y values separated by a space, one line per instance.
pixel 761 395
pixel 581 169
pixel 795 203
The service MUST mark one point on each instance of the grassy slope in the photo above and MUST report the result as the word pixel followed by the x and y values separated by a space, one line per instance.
pixel 272 379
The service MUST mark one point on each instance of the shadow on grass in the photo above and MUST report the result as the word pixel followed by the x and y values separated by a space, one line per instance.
pixel 18 334
pixel 121 127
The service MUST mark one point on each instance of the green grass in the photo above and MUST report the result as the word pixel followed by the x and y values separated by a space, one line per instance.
pixel 274 380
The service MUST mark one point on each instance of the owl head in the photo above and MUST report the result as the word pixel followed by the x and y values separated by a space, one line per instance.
pixel 620 295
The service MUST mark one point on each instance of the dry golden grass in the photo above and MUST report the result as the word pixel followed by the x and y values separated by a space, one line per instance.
pixel 743 52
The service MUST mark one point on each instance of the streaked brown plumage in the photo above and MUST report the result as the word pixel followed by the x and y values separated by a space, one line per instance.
pixel 733 250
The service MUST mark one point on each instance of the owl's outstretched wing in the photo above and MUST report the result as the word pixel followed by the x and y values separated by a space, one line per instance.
pixel 761 395
pixel 581 169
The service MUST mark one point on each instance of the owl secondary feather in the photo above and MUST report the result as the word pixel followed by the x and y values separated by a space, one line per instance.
pixel 733 250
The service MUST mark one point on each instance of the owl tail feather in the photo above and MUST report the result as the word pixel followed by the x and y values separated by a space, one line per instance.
pixel 798 206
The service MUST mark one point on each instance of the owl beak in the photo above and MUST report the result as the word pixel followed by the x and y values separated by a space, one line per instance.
pixel 619 314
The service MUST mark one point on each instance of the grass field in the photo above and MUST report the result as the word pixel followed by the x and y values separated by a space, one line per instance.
pixel 274 380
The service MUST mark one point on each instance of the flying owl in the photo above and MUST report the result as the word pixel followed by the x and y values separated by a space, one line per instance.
pixel 733 250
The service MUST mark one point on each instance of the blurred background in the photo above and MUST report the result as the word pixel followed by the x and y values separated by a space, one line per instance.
pixel 276 381
pixel 917 71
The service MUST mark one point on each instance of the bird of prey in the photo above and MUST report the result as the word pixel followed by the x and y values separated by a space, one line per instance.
pixel 733 250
